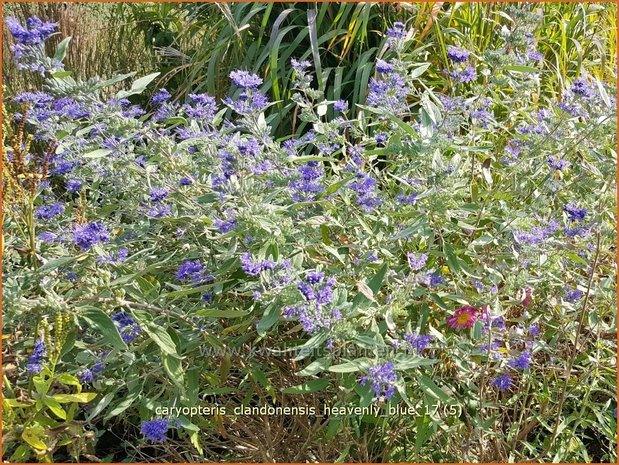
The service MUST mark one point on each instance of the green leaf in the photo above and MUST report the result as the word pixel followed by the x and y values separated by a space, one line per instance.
pixel 33 436
pixel 101 323
pixel 432 389
pixel 311 386
pixel 215 313
pixel 351 366
pixel 69 380
pixel 452 259
pixel 315 367
pixel 373 285
pixel 174 369
pixel 307 348
pixel 419 70
pixel 99 153
pixel 406 361
pixel 60 75
pixel 269 318
pixel 135 387
pixel 522 69
pixel 161 337
pixel 61 50
pixel 13 403
pixel 112 81
pixel 104 402
pixel 56 263
pixel 138 86
pixel 82 397
pixel 208 198
pixel 55 407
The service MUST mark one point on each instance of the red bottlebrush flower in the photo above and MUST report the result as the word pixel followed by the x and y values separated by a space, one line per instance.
pixel 463 317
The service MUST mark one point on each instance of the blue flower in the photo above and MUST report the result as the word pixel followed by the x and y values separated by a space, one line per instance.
pixel 300 66
pixel 185 181
pixel 572 295
pixel 73 185
pixel 251 267
pixel 364 185
pixel 467 74
pixel 537 235
pixel 202 106
pixel 245 80
pixel 86 376
pixel 155 430
pixel 388 94
pixel 128 328
pixel 48 236
pixel 383 66
pixel 225 226
pixel 502 382
pixel 308 183
pixel 457 55
pixel 418 342
pixel 34 32
pixel 583 88
pixel 248 103
pixel 161 96
pixel 410 199
pixel 397 31
pixel 90 234
pixel 340 105
pixel 35 361
pixel 47 212
pixel 575 213
pixel 383 378
pixel 159 210
pixel 194 271
pixel 522 361
pixel 557 163
pixel 381 137
pixel 157 194
pixel 535 55
pixel 416 261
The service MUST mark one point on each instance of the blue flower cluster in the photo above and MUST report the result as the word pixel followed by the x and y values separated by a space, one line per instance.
pixel 572 295
pixel 389 93
pixel 364 185
pixel 575 213
pixel 382 378
pixel 155 430
pixel 28 50
pixel 194 271
pixel 308 183
pixel 47 212
pixel 250 101
pixel 462 72
pixel 35 361
pixel 90 234
pixel 254 268
pixel 418 342
pixel 316 313
pixel 128 328
pixel 502 382
pixel 416 261
pixel 535 236
pixel 89 375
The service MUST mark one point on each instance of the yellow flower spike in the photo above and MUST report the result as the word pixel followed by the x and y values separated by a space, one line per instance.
pixel 445 269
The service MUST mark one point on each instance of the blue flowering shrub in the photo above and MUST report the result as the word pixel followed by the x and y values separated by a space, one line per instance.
pixel 431 281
